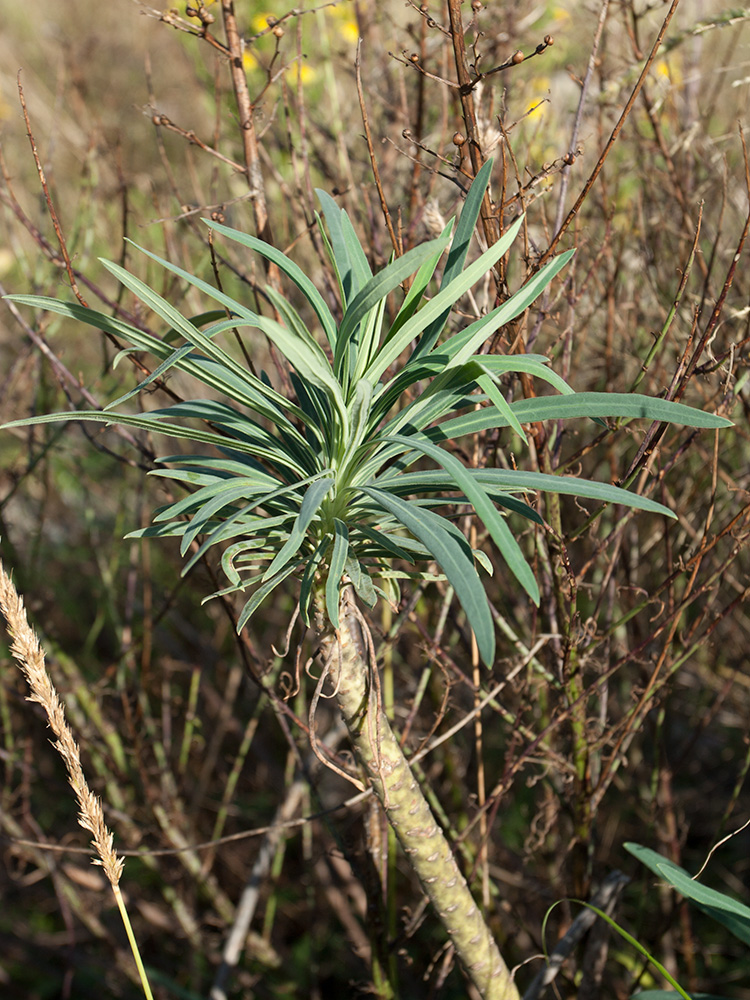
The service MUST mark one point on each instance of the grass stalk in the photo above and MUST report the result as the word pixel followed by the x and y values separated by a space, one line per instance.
pixel 27 650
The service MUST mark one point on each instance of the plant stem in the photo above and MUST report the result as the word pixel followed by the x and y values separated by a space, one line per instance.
pixel 408 812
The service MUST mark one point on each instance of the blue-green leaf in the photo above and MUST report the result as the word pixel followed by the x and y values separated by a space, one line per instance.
pixel 288 267
pixel 457 254
pixel 430 529
pixel 376 289
pixel 488 514
pixel 310 506
pixel 336 568
pixel 447 296
pixel 732 914
pixel 261 594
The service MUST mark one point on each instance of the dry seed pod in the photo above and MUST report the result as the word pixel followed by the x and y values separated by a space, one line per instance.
pixel 458 139
pixel 517 57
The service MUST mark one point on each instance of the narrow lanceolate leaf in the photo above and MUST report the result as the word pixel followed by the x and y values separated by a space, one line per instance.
pixel 457 255
pixel 515 305
pixel 336 569
pixel 475 493
pixel 309 507
pixel 518 480
pixel 447 296
pixel 261 594
pixel 288 267
pixel 377 288
pixel 419 284
pixel 459 570
pixel 731 913
pixel 358 421
pixel 580 404
pixel 487 383
pixel 303 351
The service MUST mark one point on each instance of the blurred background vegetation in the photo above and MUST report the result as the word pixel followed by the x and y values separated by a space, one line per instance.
pixel 624 715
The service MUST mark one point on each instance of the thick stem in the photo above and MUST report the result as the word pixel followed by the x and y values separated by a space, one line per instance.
pixel 409 814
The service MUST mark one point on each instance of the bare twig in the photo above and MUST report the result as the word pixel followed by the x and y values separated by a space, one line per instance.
pixel 612 139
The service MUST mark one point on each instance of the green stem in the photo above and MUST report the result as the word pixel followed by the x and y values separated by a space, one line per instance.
pixel 133 943
pixel 408 812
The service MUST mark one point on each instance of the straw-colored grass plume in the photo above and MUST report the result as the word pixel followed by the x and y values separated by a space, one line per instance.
pixel 27 650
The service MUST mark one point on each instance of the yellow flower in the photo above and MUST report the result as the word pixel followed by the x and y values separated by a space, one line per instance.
pixel 249 61
pixel 536 106
pixel 306 73
pixel 349 31
pixel 259 22
pixel 193 17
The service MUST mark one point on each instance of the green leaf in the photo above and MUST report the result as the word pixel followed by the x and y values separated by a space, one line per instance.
pixel 310 506
pixel 290 269
pixel 447 296
pixel 376 289
pixel 487 383
pixel 514 306
pixel 348 257
pixel 261 594
pixel 486 511
pixel 301 349
pixel 732 914
pixel 336 568
pixel 457 255
pixel 358 422
pixel 360 580
pixel 430 529
pixel 579 404
pixel 516 479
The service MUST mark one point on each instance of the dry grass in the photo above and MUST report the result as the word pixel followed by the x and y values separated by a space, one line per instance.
pixel 27 650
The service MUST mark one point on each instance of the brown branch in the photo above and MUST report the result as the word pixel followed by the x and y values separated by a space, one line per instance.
pixel 490 223
pixel 612 139
pixel 397 248
pixel 246 112
pixel 47 198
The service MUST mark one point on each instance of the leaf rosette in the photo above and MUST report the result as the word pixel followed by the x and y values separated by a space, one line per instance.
pixel 323 486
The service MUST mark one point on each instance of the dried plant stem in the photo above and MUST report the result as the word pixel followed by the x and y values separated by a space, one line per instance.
pixel 408 812
pixel 27 650
pixel 250 147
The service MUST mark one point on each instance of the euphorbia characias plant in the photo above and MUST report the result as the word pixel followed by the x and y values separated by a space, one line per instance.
pixel 322 489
